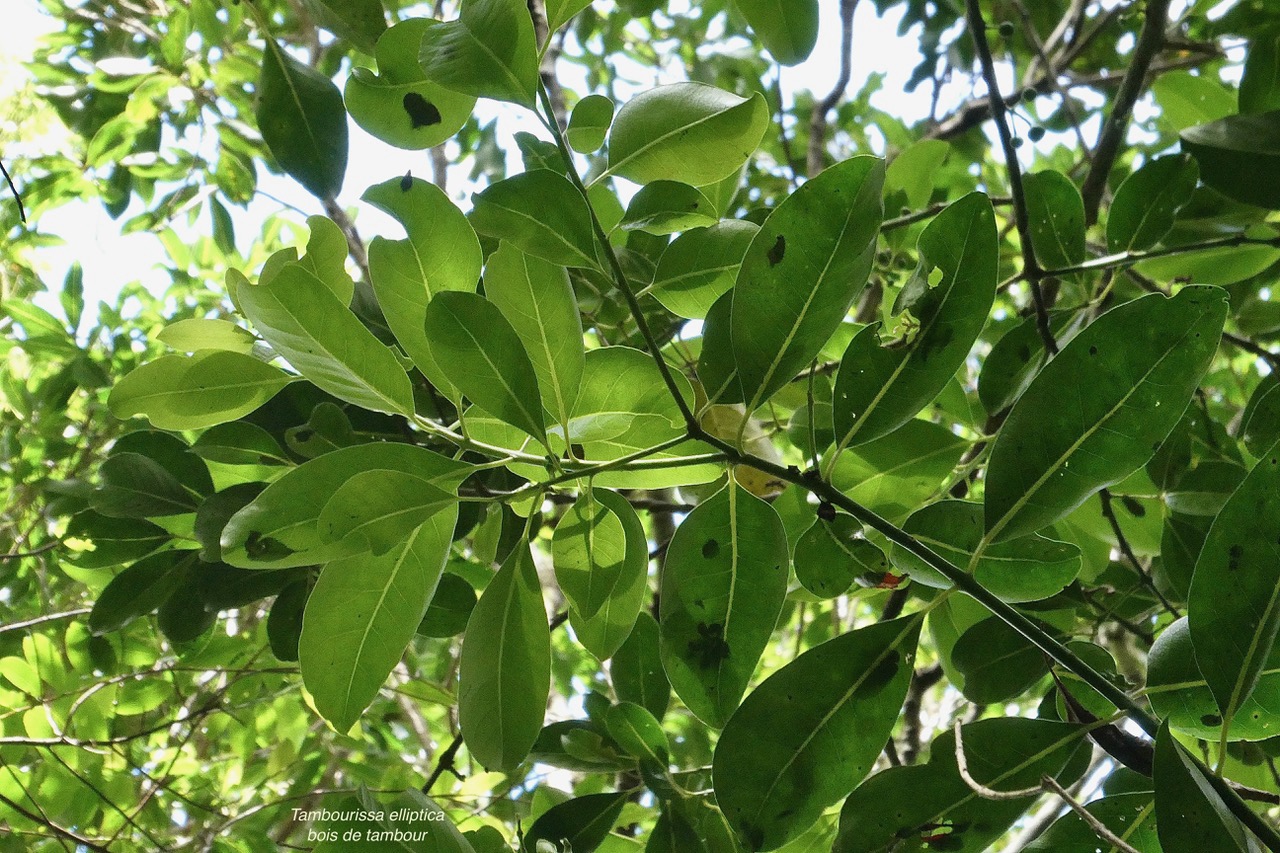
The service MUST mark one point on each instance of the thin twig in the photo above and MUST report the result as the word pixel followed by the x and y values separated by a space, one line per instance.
pixel 17 196
pixel 962 764
pixel 1098 827
pixel 34 552
pixel 1108 512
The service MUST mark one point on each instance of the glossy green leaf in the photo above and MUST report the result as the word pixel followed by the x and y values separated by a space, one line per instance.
pixel 303 122
pixel 489 52
pixel 362 614
pixel 1010 366
pixel 802 272
pixel 589 123
pixel 450 608
pixel 397 104
pixel 542 213
pixel 536 298
pixel 1056 214
pixel 214 513
pixel 281 527
pixel 1234 603
pixel 136 486
pixel 381 507
pixel 197 334
pixel 116 541
pixel 284 621
pixel 998 664
pixel 481 354
pixel 360 22
pixel 1028 568
pixel 636 669
pixel 604 632
pixel 700 265
pixel 839 702
pixel 1234 151
pixel 788 29
pixel 638 732
pixel 560 11
pixel 1260 83
pixel 1130 817
pixel 879 387
pixel 668 207
pixel 1148 201
pixel 580 824
pixel 1221 266
pixel 1140 363
pixel 907 806
pixel 723 585
pixel 589 550
pixel 326 257
pixel 1179 693
pixel 620 384
pixel 505 672
pixel 181 392
pixel 302 319
pixel 687 132
pixel 1187 99
pixel 138 590
pixel 1191 815
pixel 441 253
pixel 830 556
pixel 894 475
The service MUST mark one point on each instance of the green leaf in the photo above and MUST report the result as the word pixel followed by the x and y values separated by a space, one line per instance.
pixel 589 123
pixel 1234 604
pixel 326 257
pixel 802 272
pixel 788 29
pixel 666 207
pixel 579 825
pixel 700 265
pixel 997 663
pixel 1191 815
pixel 1180 694
pixel 542 213
pixel 1187 99
pixel 1234 151
pixel 560 11
pixel 138 590
pixel 303 121
pixel 505 672
pixel 1140 363
pixel 896 474
pixel 1221 266
pixel 281 527
pixel 483 356
pixel 830 556
pixel 604 632
pixel 901 807
pixel 197 334
pixel 636 669
pixel 284 621
pixel 136 486
pixel 1260 84
pixel 302 319
pixel 1056 213
pixel 362 614
pixel 1147 202
pixel 1009 368
pixel 879 388
pixel 914 169
pixel 181 392
pixel 489 52
pixel 537 299
pixel 687 132
pixel 589 552
pixel 1130 817
pixel 441 253
pixel 638 732
pixel 1028 568
pixel 397 104
pixel 214 513
pixel 360 22
pixel 450 608
pixel 1261 426
pixel 723 586
pixel 839 702
pixel 381 507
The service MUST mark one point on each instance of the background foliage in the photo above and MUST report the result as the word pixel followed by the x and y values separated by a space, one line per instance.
pixel 739 467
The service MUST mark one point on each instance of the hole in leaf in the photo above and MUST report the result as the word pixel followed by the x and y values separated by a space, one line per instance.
pixel 778 251
pixel 1211 720
pixel 422 113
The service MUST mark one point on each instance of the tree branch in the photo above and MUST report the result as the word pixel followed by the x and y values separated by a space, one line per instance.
pixel 818 118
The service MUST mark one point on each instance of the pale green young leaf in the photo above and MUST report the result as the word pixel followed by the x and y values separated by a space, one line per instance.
pixel 604 632
pixel 701 265
pixel 380 507
pixel 589 123
pixel 180 392
pixel 206 333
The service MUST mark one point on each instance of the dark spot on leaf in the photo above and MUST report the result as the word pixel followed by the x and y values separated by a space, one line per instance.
pixel 1136 509
pixel 827 511
pixel 1024 353
pixel 260 547
pixel 1093 350
pixel 406 183
pixel 422 113
pixel 710 647
pixel 778 251
pixel 710 549
pixel 1211 720
pixel 1234 555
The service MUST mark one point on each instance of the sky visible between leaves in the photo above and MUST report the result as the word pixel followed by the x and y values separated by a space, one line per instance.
pixel 112 260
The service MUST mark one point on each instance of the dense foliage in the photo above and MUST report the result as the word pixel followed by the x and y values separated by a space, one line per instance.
pixel 738 467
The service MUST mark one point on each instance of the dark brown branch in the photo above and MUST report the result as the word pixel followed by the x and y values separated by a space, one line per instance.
pixel 60 831
pixel 921 681
pixel 1150 42
pixel 17 196
pixel 1108 512
pixel 34 552
pixel 818 119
